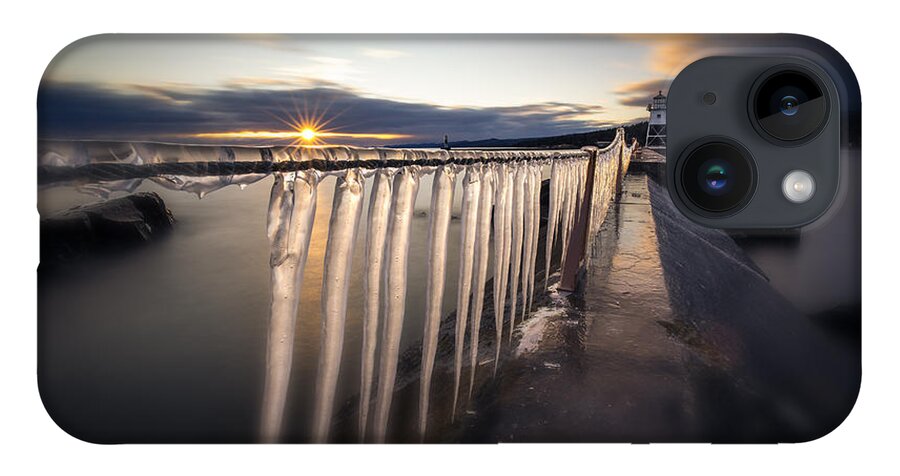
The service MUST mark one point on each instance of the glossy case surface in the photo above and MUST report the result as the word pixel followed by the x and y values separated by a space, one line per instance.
pixel 307 238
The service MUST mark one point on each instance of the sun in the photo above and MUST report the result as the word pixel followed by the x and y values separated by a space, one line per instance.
pixel 308 134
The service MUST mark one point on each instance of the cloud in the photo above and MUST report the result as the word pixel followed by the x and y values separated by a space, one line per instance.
pixel 635 101
pixel 672 54
pixel 86 111
pixel 380 53
pixel 322 68
pixel 281 42
pixel 639 93
pixel 282 82
pixel 166 94
pixel 651 85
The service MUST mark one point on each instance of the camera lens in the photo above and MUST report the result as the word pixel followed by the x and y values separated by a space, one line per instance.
pixel 717 176
pixel 790 105
pixel 713 177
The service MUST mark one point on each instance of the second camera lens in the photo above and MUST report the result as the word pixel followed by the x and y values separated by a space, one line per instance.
pixel 789 105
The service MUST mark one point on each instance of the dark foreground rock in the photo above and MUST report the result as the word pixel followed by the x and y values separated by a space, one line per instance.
pixel 103 227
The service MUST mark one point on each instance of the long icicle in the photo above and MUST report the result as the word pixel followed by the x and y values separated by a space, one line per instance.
pixel 560 200
pixel 535 230
pixel 528 234
pixel 406 185
pixel 566 197
pixel 376 237
pixel 582 182
pixel 501 257
pixel 292 208
pixel 518 222
pixel 508 236
pixel 471 194
pixel 571 192
pixel 342 228
pixel 482 255
pixel 441 208
pixel 552 219
pixel 578 187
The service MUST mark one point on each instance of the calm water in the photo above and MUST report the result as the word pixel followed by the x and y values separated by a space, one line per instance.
pixel 168 341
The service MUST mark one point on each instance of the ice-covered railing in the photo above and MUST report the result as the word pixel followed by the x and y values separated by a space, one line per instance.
pixel 501 198
pixel 102 167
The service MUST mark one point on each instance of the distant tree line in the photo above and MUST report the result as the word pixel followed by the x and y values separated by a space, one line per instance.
pixel 602 137
pixel 569 141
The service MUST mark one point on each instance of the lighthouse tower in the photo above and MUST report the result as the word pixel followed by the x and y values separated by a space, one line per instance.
pixel 656 130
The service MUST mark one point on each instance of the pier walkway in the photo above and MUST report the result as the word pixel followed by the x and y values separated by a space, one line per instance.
pixel 559 388
pixel 676 336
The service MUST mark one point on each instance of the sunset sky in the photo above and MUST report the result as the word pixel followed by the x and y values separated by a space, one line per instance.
pixel 368 89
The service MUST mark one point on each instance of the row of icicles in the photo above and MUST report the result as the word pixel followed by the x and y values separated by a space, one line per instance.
pixel 506 195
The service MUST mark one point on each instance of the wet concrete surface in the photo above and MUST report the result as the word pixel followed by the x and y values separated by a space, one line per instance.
pixel 677 336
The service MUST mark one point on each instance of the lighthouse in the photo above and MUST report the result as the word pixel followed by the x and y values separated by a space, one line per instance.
pixel 656 129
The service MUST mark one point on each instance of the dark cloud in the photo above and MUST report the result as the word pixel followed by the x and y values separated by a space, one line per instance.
pixel 82 111
pixel 639 93
pixel 640 100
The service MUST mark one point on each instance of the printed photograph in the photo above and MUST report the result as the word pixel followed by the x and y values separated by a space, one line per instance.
pixel 414 239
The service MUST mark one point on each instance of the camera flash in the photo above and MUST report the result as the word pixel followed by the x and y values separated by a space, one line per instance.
pixel 798 186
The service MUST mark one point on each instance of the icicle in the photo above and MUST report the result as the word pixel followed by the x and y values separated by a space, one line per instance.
pixel 441 208
pixel 560 197
pixel 527 182
pixel 406 185
pixel 345 211
pixel 518 224
pixel 582 182
pixel 578 187
pixel 508 219
pixel 482 255
pixel 566 198
pixel 572 193
pixel 502 232
pixel 471 194
pixel 552 219
pixel 535 229
pixel 292 207
pixel 376 237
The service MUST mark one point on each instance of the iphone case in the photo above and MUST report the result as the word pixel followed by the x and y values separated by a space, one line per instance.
pixel 306 238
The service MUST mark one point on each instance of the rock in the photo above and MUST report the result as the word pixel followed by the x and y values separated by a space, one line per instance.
pixel 103 227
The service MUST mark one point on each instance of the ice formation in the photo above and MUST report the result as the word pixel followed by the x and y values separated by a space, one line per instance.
pixel 292 207
pixel 345 212
pixel 438 232
pixel 405 188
